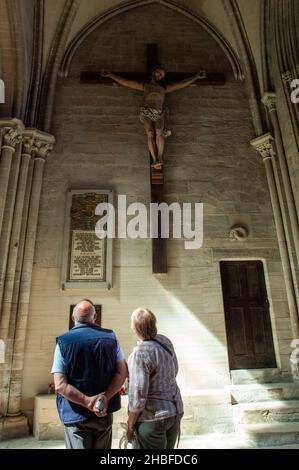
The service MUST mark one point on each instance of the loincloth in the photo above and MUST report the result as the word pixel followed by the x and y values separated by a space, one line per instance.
pixel 155 116
pixel 151 113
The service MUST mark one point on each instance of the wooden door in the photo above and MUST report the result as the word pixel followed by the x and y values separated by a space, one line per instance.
pixel 247 316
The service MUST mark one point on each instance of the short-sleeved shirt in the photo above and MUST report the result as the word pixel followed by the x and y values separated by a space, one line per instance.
pixel 58 366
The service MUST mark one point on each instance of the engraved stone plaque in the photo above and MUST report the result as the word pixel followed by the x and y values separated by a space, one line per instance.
pixel 87 259
pixel 87 256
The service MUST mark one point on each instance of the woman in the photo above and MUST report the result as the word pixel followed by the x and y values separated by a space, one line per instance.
pixel 155 402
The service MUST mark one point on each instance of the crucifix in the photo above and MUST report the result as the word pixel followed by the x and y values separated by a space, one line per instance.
pixel 155 87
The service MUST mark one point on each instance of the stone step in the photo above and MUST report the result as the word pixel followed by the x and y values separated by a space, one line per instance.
pixel 267 412
pixel 269 435
pixel 258 376
pixel 250 393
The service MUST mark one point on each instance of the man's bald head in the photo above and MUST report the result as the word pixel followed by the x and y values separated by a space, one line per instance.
pixel 84 312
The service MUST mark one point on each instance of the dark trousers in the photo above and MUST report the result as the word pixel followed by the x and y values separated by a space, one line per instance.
pixel 96 433
pixel 161 434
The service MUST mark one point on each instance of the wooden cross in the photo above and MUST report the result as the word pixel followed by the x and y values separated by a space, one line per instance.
pixel 159 248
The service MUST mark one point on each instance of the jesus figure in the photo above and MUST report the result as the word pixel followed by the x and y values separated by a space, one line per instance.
pixel 152 114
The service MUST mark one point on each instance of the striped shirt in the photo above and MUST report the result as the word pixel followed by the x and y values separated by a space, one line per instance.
pixel 152 381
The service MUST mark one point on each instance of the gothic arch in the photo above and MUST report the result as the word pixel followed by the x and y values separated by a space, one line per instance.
pixel 104 17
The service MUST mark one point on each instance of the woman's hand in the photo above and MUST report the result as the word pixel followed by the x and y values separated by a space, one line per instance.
pixel 105 73
pixel 132 420
pixel 130 433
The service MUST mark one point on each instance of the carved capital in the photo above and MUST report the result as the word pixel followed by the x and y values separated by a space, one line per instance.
pixel 28 142
pixel 43 145
pixel 42 150
pixel 11 131
pixel 269 100
pixel 36 143
pixel 11 137
pixel 264 145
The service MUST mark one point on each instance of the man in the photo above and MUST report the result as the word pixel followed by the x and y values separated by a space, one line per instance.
pixel 152 114
pixel 89 366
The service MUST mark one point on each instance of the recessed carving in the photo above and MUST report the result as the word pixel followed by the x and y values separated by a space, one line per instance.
pixel 238 233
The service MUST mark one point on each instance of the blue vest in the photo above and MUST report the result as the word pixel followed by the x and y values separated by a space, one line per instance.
pixel 90 356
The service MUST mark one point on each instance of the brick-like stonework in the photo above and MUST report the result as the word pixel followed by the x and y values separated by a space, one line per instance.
pixel 16 39
pixel 207 412
pixel 101 145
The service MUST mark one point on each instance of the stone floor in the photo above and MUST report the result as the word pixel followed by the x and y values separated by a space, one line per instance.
pixel 210 441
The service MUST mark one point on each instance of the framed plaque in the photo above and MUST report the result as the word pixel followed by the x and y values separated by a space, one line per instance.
pixel 87 260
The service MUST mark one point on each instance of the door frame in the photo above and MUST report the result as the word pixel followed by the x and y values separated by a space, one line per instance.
pixel 271 309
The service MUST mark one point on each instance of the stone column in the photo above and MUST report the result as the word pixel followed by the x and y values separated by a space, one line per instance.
pixel 7 324
pixel 8 216
pixel 4 373
pixel 8 314
pixel 264 145
pixel 11 131
pixel 269 100
pixel 14 423
pixel 10 165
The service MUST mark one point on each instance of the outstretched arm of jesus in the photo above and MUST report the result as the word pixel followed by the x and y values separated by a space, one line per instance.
pixel 186 83
pixel 134 85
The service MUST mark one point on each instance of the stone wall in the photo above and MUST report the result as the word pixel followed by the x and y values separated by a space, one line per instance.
pixel 205 412
pixel 7 66
pixel 16 48
pixel 101 145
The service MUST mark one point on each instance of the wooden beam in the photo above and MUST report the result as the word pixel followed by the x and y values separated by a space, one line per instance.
pixel 90 78
pixel 95 77
pixel 159 245
pixel 152 56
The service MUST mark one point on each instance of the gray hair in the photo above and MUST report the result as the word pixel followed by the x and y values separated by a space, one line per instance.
pixel 144 323
pixel 86 317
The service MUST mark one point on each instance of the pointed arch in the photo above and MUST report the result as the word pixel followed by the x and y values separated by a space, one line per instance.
pixel 108 15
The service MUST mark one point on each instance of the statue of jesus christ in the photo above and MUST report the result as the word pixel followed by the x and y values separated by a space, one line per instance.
pixel 152 114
